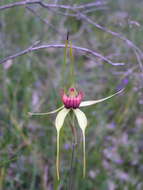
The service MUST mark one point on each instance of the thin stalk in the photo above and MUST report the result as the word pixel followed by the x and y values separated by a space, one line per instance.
pixel 74 132
pixel 57 159
pixel 84 156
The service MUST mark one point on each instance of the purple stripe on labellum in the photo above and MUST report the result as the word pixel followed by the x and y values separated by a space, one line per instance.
pixel 68 102
pixel 72 102
pixel 72 99
pixel 75 104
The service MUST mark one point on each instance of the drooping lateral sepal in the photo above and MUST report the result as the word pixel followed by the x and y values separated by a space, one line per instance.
pixel 82 121
pixel 58 124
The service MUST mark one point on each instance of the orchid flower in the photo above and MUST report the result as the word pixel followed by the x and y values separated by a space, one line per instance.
pixel 72 101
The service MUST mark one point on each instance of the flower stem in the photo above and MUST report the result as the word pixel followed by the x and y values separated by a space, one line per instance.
pixel 84 156
pixel 57 159
pixel 72 167
pixel 74 143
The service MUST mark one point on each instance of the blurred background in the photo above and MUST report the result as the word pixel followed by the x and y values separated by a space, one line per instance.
pixel 32 82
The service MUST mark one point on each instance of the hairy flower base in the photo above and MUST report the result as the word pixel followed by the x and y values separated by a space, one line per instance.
pixel 72 101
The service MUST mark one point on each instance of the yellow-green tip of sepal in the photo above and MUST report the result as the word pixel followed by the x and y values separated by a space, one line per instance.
pixel 59 124
pixel 82 121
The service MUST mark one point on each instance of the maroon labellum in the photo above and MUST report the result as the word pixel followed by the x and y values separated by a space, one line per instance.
pixel 72 99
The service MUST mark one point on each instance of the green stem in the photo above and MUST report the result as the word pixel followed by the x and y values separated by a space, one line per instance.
pixel 73 129
pixel 84 156
pixel 72 166
pixel 57 159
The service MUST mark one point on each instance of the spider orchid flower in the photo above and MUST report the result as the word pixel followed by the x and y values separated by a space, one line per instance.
pixel 72 101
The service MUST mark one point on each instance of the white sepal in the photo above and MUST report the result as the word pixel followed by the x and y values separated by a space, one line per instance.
pixel 81 118
pixel 92 102
pixel 47 113
pixel 82 121
pixel 60 118
pixel 58 124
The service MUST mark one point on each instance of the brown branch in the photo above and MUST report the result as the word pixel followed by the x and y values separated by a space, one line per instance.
pixel 35 48
pixel 130 43
pixel 94 9
pixel 47 5
pixel 19 3
pixel 137 51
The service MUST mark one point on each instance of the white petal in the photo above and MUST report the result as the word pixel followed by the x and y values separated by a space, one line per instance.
pixel 60 118
pixel 47 113
pixel 82 121
pixel 81 118
pixel 59 123
pixel 91 102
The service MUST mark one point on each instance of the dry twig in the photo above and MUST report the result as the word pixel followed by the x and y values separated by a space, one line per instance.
pixel 137 51
pixel 47 5
pixel 35 48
